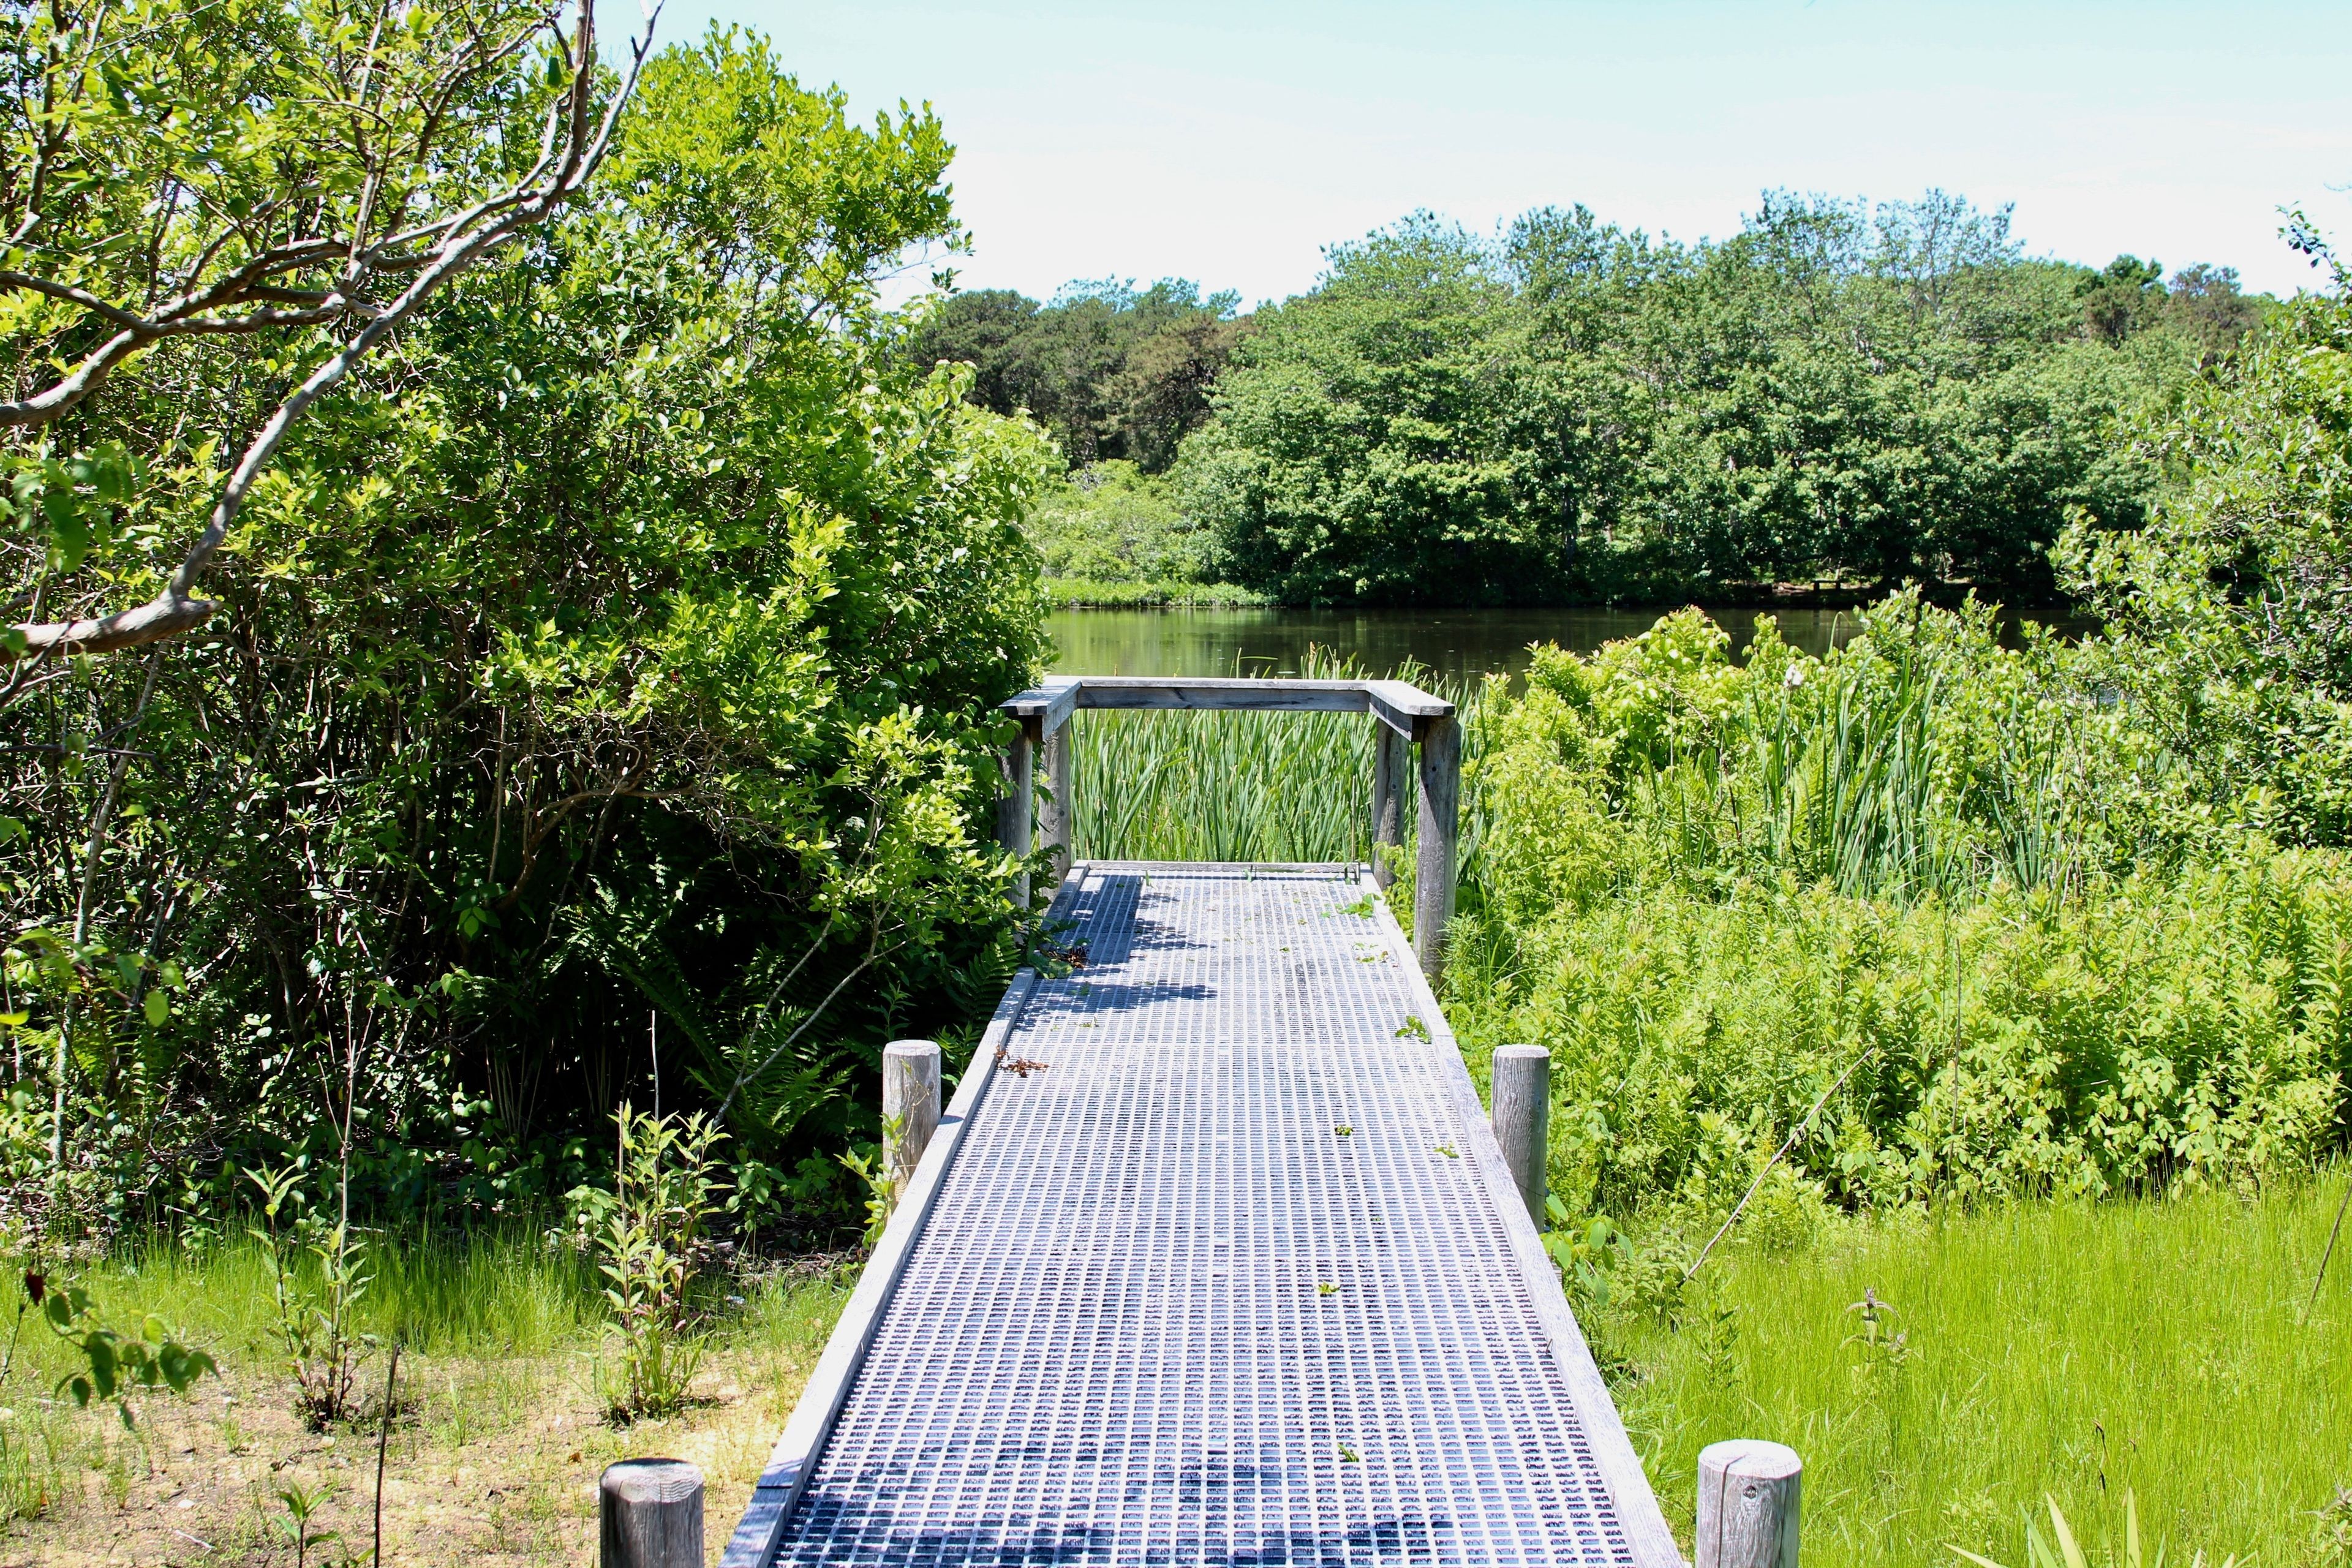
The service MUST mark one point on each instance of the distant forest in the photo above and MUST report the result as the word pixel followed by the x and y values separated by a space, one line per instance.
pixel 1572 411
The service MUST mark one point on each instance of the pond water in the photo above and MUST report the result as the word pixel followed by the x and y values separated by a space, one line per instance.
pixel 1457 643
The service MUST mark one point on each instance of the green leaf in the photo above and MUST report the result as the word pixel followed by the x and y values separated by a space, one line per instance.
pixel 158 1007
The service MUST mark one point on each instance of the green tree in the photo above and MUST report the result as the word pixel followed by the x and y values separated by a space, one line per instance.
pixel 601 687
pixel 2231 611
pixel 1115 373
pixel 307 174
pixel 1884 394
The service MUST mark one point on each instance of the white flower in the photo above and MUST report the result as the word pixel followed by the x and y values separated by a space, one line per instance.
pixel 1796 676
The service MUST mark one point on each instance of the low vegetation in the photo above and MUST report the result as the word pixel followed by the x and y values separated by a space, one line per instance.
pixel 2150 1356
pixel 499 1424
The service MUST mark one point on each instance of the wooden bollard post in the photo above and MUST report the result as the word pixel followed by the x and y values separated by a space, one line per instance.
pixel 1058 815
pixel 910 1106
pixel 1521 1078
pixel 649 1515
pixel 1747 1505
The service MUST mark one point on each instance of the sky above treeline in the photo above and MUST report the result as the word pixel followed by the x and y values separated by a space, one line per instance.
pixel 1230 143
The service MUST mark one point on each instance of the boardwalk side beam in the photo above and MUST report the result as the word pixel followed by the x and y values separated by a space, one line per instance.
pixel 1646 1532
pixel 754 1544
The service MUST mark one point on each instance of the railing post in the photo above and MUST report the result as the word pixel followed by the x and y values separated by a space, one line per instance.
pixel 1749 1493
pixel 1056 815
pixel 1389 750
pixel 910 1106
pixel 1013 812
pixel 1433 892
pixel 649 1515
pixel 1520 1087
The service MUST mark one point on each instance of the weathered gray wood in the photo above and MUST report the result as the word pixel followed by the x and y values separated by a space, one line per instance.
pixel 1014 808
pixel 1749 1493
pixel 1057 813
pixel 1051 702
pixel 910 1106
pixel 1222 695
pixel 1520 1089
pixel 1403 707
pixel 1433 892
pixel 1396 703
pixel 1390 753
pixel 649 1515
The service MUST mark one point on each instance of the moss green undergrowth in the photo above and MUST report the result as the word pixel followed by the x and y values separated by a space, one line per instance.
pixel 2080 1351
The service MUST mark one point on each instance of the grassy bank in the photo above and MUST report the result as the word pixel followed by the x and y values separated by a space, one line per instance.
pixel 1090 594
pixel 2077 1351
pixel 497 1435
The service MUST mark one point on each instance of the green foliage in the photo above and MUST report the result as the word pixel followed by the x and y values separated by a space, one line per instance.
pixel 1092 593
pixel 872 1172
pixel 626 645
pixel 650 1238
pixel 298 1523
pixel 111 1366
pixel 318 1276
pixel 1580 411
pixel 1116 375
pixel 1234 786
pixel 1112 523
pixel 1587 1255
pixel 2232 611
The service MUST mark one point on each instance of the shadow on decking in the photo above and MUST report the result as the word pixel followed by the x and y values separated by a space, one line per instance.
pixel 1106 914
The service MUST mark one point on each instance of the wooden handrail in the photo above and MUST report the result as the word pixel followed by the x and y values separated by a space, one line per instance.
pixel 1405 714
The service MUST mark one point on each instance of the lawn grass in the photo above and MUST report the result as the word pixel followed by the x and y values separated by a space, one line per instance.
pixel 497 1435
pixel 2077 1351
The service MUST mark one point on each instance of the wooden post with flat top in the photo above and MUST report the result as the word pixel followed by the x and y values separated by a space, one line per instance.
pixel 649 1515
pixel 1519 1085
pixel 1055 815
pixel 1749 1493
pixel 910 1106
pixel 1014 808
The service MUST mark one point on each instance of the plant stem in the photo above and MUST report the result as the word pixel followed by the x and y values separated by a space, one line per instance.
pixel 382 1440
pixel 1786 1145
pixel 2325 1258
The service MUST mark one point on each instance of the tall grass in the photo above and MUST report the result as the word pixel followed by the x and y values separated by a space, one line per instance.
pixel 1267 786
pixel 2074 1350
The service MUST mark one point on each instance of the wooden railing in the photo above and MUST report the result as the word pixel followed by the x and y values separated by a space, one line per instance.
pixel 1404 716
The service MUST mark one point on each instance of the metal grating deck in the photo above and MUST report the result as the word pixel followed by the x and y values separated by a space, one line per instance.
pixel 1165 1310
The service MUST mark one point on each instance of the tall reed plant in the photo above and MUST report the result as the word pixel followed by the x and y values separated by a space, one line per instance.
pixel 1232 786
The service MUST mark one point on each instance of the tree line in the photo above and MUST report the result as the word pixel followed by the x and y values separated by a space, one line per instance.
pixel 1574 411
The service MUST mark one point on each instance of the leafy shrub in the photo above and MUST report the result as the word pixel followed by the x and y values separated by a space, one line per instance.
pixel 650 1234
pixel 1946 865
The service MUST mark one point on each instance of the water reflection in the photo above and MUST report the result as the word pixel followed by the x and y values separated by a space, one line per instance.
pixel 1461 643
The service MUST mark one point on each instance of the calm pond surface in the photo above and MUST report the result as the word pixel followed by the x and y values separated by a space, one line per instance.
pixel 1458 643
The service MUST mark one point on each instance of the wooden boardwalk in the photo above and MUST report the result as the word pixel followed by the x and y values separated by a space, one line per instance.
pixel 1213 1259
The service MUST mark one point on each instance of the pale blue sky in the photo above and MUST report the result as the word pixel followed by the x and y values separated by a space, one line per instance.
pixel 1230 142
